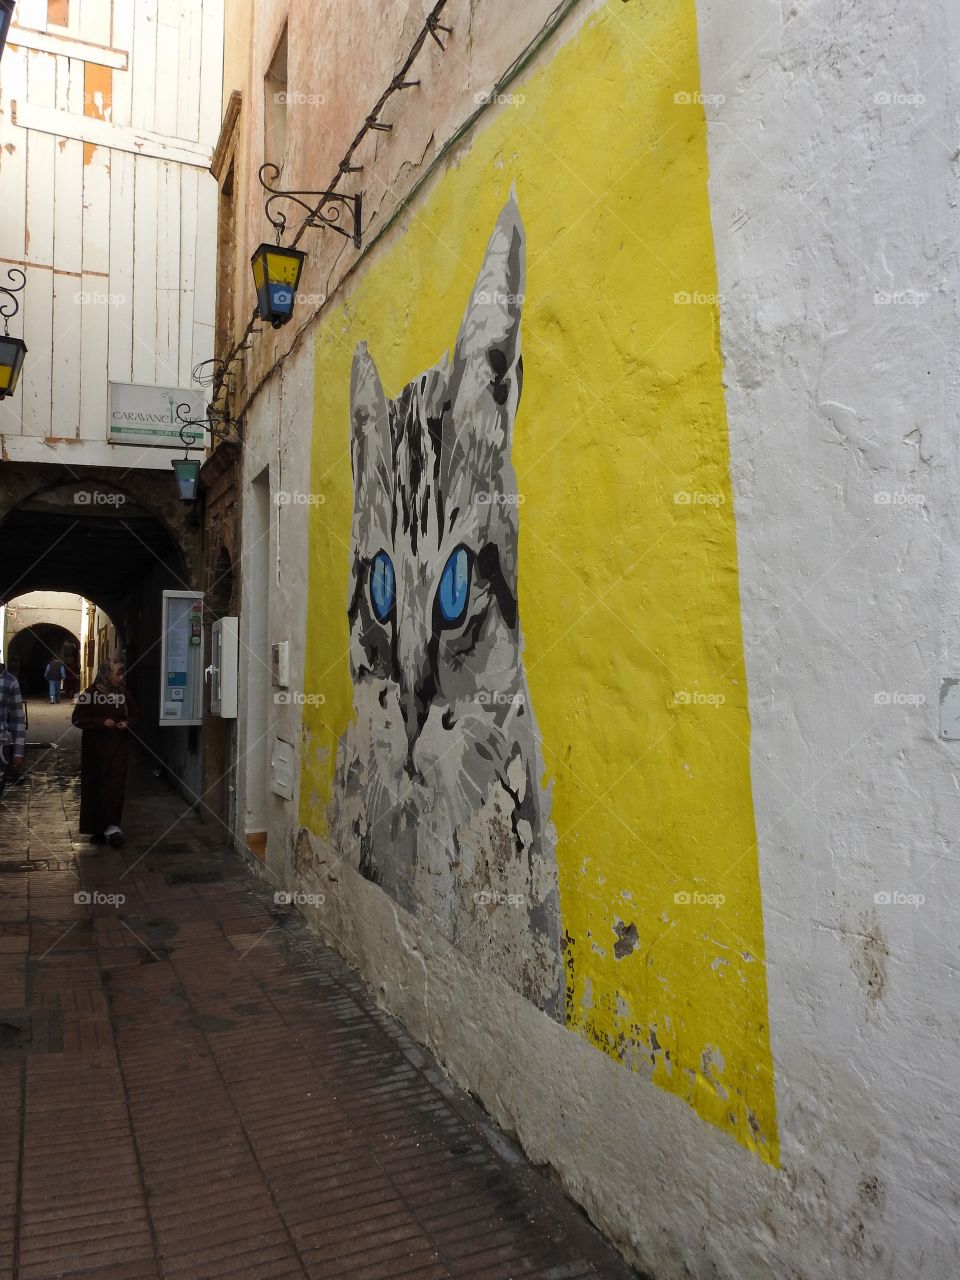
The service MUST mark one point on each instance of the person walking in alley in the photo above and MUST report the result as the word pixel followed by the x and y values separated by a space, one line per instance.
pixel 13 725
pixel 54 673
pixel 106 713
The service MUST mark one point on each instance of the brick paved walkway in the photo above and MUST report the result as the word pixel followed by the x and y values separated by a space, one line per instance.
pixel 191 1086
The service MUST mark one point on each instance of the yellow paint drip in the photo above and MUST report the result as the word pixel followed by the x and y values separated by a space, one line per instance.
pixel 629 597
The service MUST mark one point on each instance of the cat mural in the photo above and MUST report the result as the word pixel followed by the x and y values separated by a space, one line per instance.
pixel 438 795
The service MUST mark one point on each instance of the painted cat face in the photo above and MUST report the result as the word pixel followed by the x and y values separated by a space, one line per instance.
pixel 433 591
pixel 439 796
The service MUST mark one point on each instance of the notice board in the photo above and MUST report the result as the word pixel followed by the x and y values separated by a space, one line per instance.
pixel 181 668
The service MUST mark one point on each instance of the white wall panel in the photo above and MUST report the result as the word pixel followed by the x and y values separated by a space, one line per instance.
pixel 67 326
pixel 189 181
pixel 123 19
pixel 205 307
pixel 37 374
pixel 211 73
pixel 13 157
pixel 41 150
pixel 143 65
pixel 188 99
pixel 96 212
pixel 31 13
pixel 120 354
pixel 96 312
pixel 113 219
pixel 168 275
pixel 94 21
pixel 146 196
pixel 167 86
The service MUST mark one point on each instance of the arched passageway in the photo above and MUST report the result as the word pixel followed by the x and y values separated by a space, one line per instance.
pixel 119 546
pixel 30 651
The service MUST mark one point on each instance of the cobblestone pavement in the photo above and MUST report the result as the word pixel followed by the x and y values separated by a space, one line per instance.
pixel 192 1086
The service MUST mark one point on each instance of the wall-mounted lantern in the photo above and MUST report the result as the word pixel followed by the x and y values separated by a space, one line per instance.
pixel 276 270
pixel 187 473
pixel 12 350
pixel 186 470
pixel 6 17
pixel 276 273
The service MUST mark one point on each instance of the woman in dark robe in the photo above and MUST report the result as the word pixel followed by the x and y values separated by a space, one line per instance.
pixel 106 713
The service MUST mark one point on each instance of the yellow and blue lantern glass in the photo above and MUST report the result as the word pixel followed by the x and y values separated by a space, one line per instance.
pixel 12 352
pixel 276 274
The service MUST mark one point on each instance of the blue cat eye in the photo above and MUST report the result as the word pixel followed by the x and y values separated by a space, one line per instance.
pixel 454 591
pixel 383 586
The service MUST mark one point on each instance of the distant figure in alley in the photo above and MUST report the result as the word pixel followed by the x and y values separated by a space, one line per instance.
pixel 54 673
pixel 106 713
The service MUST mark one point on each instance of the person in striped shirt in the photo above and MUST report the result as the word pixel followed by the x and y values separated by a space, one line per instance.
pixel 13 725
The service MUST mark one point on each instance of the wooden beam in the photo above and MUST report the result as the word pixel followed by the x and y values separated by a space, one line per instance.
pixel 46 42
pixel 138 142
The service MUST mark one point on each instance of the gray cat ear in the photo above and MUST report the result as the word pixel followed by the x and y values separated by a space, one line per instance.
pixel 369 424
pixel 486 372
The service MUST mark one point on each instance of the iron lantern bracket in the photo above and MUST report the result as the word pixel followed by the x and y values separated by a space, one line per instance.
pixel 10 303
pixel 317 214
pixel 216 422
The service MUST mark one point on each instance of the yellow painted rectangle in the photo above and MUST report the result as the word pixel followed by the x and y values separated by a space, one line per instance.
pixel 629 596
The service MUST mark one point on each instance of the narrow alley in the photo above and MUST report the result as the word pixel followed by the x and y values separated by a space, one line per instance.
pixel 203 1090
pixel 479 548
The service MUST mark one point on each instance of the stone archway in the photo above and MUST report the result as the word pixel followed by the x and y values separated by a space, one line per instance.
pixel 73 532
pixel 120 543
pixel 31 649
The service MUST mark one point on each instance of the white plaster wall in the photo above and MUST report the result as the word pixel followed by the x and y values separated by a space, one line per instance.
pixel 833 193
pixel 821 198
pixel 288 613
pixel 254 724
pixel 278 437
